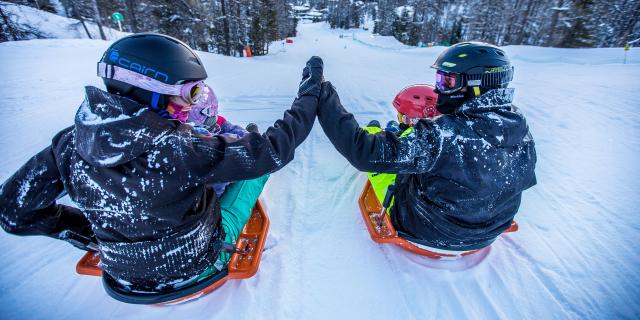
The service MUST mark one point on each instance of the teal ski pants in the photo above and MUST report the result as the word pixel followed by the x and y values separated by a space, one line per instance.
pixel 236 205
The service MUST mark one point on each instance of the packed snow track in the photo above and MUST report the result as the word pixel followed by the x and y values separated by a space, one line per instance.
pixel 575 256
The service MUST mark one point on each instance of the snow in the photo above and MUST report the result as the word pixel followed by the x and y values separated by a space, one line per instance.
pixel 575 255
pixel 300 8
pixel 87 117
pixel 54 26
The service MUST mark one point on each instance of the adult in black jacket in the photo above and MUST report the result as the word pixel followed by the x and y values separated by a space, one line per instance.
pixel 461 175
pixel 142 183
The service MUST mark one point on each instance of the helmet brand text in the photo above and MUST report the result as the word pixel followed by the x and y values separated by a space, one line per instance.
pixel 114 56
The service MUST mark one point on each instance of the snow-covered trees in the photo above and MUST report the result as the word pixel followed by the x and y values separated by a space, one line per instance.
pixel 346 14
pixel 228 26
pixel 558 23
pixel 221 26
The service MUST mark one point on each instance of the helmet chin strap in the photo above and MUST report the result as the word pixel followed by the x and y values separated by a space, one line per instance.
pixel 474 85
pixel 155 99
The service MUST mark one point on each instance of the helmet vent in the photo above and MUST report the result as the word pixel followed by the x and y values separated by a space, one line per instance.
pixel 416 97
pixel 482 50
pixel 500 53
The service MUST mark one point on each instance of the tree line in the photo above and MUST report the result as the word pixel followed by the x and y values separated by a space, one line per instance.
pixel 220 26
pixel 229 26
pixel 553 23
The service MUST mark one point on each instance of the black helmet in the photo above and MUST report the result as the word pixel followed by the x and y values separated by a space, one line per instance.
pixel 154 55
pixel 475 64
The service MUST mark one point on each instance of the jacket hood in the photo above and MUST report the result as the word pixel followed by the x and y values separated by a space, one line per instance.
pixel 496 120
pixel 111 130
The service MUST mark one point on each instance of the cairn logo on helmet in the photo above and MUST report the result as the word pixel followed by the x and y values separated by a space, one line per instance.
pixel 114 56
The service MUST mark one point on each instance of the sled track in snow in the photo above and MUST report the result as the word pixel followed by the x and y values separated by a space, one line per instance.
pixel 574 256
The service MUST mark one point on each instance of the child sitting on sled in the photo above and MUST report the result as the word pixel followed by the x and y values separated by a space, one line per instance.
pixel 459 176
pixel 142 178
pixel 412 103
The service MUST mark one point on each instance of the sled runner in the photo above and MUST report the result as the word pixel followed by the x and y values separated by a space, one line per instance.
pixel 382 230
pixel 243 264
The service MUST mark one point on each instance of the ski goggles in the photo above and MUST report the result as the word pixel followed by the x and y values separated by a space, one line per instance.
pixel 448 82
pixel 205 110
pixel 191 92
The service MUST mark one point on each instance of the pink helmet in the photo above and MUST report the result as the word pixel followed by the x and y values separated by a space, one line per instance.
pixel 417 101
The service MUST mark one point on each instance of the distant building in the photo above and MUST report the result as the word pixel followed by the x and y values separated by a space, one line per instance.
pixel 304 12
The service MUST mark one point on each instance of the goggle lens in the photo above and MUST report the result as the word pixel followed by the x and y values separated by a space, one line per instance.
pixel 192 92
pixel 195 91
pixel 447 82
pixel 205 109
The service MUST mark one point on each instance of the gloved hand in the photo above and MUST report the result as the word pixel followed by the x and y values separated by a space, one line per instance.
pixel 252 127
pixel 73 227
pixel 312 78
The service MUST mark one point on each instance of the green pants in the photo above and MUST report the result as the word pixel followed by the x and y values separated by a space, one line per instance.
pixel 379 181
pixel 236 205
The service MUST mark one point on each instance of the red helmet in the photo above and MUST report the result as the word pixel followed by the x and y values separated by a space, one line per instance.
pixel 417 101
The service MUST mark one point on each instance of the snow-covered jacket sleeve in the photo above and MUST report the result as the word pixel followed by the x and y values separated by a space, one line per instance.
pixel 225 159
pixel 28 201
pixel 383 152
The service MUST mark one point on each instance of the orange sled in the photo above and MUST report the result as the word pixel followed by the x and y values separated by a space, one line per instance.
pixel 382 230
pixel 243 264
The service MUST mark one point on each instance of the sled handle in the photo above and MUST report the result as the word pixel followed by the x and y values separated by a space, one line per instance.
pixel 388 197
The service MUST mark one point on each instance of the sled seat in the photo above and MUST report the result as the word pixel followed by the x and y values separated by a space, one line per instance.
pixel 383 232
pixel 243 264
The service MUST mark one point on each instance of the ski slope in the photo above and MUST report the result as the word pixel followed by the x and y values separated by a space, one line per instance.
pixel 575 256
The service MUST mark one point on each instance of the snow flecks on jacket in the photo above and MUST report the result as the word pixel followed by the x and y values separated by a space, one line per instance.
pixel 87 117
pixel 25 185
pixel 460 176
pixel 143 186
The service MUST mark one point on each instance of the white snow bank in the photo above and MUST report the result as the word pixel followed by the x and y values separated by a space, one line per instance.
pixel 574 256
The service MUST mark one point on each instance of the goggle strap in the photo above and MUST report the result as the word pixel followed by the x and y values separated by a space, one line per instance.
pixel 136 79
pixel 155 97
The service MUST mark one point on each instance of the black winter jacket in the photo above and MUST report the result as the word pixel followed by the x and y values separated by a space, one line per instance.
pixel 142 181
pixel 460 176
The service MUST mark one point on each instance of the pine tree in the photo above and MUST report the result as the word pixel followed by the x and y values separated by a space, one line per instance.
pixel 581 32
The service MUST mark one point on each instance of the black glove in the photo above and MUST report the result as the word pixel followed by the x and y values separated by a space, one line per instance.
pixel 72 226
pixel 252 127
pixel 311 78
